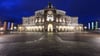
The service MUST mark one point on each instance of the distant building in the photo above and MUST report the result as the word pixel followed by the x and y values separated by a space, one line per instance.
pixel 50 19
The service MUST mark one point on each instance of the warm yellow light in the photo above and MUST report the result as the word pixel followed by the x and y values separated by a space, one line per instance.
pixel 43 26
pixel 60 20
pixel 42 20
pixel 62 28
pixel 20 27
pixel 40 27
pixel 50 18
pixel 57 20
pixel 72 27
pixel 85 27
pixel 64 20
pixel 11 28
pixel 50 27
pixel 56 26
pixel 39 19
pixel 12 25
pixel 1 28
pixel 80 27
pixel 5 24
pixel 15 27
pixel 36 20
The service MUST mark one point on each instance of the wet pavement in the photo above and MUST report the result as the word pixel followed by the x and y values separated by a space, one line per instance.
pixel 50 44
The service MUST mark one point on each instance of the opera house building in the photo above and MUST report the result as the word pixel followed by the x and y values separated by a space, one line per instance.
pixel 50 19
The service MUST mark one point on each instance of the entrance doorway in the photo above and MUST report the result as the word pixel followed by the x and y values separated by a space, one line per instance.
pixel 50 28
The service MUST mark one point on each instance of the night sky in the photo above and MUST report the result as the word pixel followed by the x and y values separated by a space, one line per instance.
pixel 86 10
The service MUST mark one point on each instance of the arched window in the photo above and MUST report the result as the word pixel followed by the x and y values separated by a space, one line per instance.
pixel 50 16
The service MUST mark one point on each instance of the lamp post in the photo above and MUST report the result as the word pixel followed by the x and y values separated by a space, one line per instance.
pixel 12 25
pixel 92 25
pixel 85 27
pixel 96 26
pixel 5 25
pixel 89 26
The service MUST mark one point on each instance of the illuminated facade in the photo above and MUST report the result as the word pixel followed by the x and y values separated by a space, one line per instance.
pixel 50 19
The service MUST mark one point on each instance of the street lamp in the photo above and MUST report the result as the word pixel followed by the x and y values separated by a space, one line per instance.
pixel 20 29
pixel 1 28
pixel 85 27
pixel 15 27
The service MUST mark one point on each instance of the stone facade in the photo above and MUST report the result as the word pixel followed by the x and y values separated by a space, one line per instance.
pixel 50 19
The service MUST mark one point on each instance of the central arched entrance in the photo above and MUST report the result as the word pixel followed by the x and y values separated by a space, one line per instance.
pixel 50 28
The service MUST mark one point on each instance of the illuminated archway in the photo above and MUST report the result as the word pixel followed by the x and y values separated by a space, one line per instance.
pixel 50 28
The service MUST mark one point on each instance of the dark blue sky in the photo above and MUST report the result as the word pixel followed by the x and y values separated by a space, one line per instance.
pixel 87 10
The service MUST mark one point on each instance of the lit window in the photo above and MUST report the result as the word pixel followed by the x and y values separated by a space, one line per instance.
pixel 50 18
